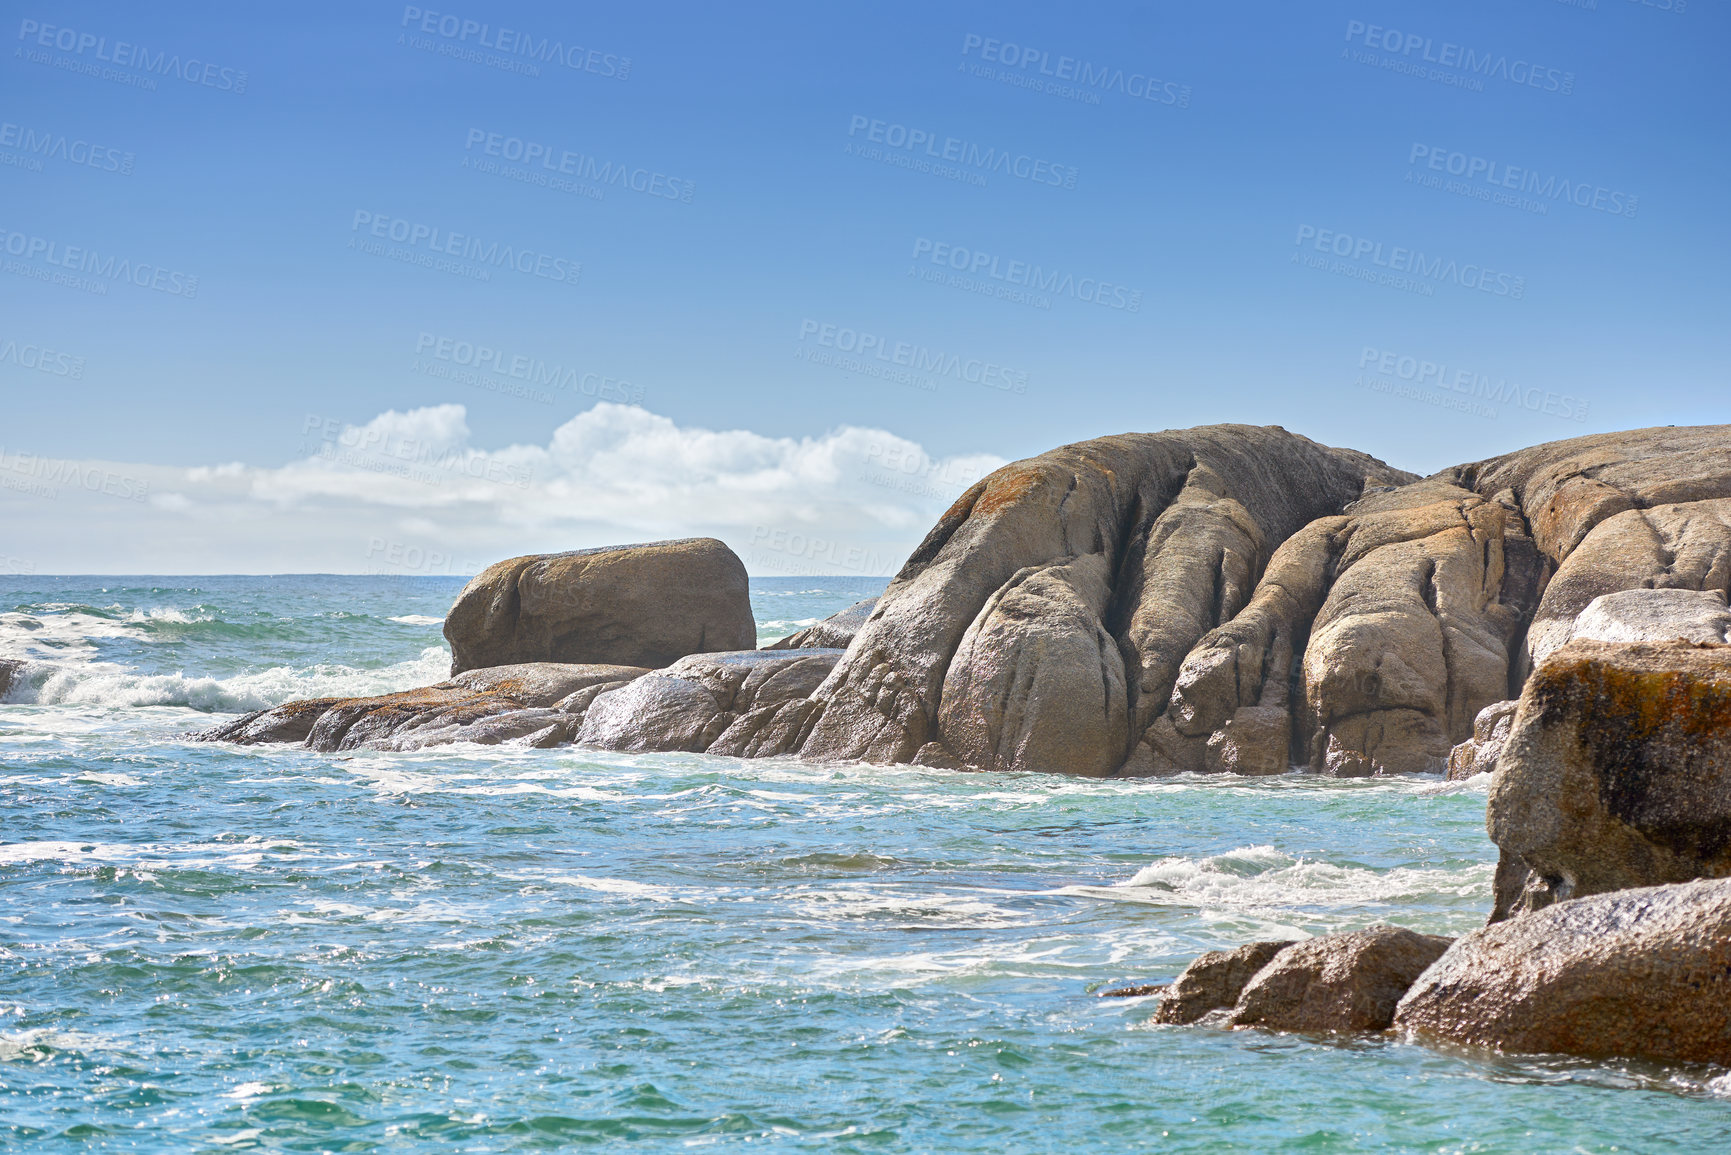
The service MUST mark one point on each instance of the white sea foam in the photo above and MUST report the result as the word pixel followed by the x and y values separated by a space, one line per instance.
pixel 418 620
pixel 1262 881
pixel 39 1043
pixel 74 682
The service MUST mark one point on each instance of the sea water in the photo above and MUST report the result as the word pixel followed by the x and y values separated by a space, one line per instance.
pixel 476 949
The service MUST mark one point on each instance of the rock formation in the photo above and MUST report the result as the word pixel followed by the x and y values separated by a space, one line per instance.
pixel 630 605
pixel 9 668
pixel 1222 599
pixel 1642 973
pixel 1084 575
pixel 539 704
pixel 1617 773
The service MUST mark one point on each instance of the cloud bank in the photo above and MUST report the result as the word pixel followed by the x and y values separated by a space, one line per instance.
pixel 408 492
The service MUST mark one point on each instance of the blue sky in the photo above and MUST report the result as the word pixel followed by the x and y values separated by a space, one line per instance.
pixel 1431 231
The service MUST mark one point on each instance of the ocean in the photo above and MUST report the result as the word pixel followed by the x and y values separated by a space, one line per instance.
pixel 479 949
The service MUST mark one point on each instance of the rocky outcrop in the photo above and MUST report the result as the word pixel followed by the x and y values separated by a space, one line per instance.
pixel 833 633
pixel 539 704
pixel 1642 973
pixel 1214 981
pixel 634 605
pixel 1108 559
pixel 1479 754
pixel 733 703
pixel 1616 511
pixel 1338 982
pixel 1617 773
pixel 1227 599
pixel 1371 643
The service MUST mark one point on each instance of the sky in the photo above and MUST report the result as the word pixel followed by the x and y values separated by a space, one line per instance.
pixel 367 287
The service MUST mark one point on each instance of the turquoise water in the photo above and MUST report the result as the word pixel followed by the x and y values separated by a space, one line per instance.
pixel 476 950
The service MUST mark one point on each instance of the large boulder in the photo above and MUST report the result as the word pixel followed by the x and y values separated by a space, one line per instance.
pixel 633 605
pixel 1338 982
pixel 1214 981
pixel 833 633
pixel 536 703
pixel 1119 552
pixel 1617 773
pixel 1642 973
pixel 709 702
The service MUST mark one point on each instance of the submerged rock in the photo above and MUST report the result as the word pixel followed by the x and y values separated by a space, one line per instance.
pixel 1339 982
pixel 833 633
pixel 1617 773
pixel 1214 981
pixel 1642 973
pixel 635 605
pixel 528 702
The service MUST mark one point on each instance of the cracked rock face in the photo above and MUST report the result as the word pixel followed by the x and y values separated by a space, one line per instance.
pixel 1640 973
pixel 632 605
pixel 1091 570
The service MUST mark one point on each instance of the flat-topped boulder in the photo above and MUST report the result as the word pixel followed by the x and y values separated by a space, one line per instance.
pixel 634 605
pixel 1642 973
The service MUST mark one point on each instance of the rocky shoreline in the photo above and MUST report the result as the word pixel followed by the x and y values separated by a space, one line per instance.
pixel 1232 599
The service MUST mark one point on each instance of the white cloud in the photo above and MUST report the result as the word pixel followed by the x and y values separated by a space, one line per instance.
pixel 411 484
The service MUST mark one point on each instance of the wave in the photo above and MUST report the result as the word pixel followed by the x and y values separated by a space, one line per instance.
pixel 106 684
